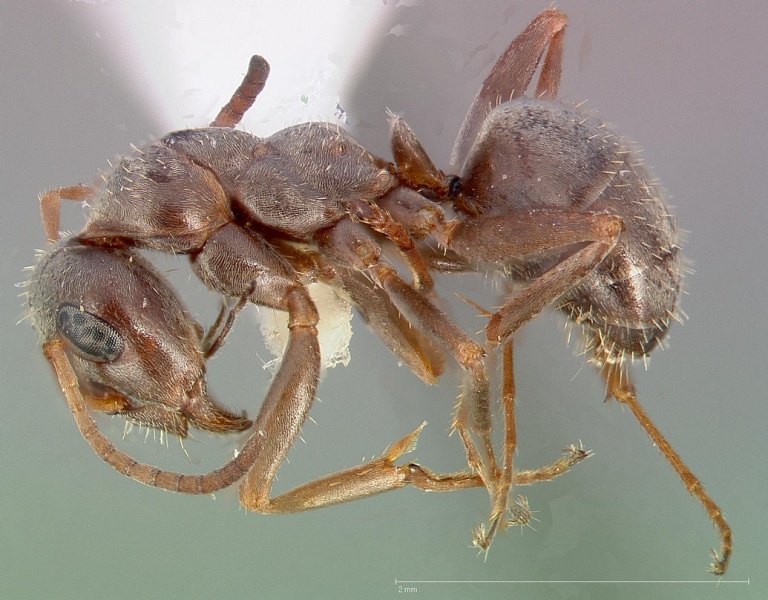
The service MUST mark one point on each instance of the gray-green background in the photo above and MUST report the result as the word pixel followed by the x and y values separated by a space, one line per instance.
pixel 687 80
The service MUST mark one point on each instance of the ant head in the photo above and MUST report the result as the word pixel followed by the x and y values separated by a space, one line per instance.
pixel 132 344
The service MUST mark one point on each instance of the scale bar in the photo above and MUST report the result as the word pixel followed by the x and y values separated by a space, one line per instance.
pixel 633 581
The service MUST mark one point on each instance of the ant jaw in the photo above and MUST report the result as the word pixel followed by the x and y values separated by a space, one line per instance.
pixel 202 412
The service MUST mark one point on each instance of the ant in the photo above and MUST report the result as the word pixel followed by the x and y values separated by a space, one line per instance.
pixel 259 218
pixel 557 201
pixel 551 197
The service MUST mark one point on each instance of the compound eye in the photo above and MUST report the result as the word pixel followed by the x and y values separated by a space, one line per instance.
pixel 94 338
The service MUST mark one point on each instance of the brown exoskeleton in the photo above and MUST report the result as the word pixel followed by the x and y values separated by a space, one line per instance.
pixel 258 218
pixel 558 201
